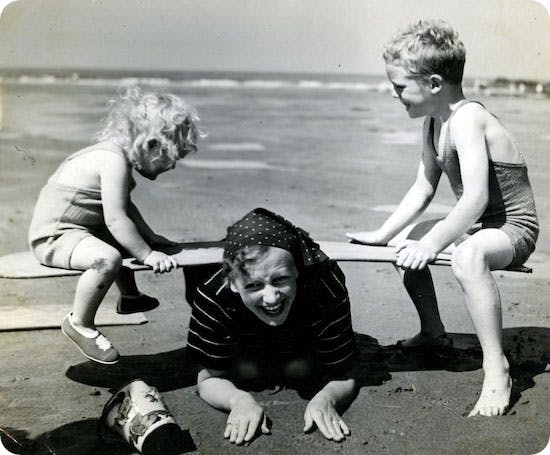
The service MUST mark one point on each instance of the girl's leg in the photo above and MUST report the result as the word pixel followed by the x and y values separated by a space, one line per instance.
pixel 101 264
pixel 472 262
pixel 131 300
pixel 126 282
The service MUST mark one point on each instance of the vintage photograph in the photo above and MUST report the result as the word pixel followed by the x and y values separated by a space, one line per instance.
pixel 295 227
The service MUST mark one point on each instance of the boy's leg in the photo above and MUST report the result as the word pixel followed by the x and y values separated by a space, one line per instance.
pixel 472 262
pixel 101 263
pixel 419 286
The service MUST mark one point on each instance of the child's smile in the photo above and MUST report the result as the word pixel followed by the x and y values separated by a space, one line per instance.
pixel 270 287
pixel 411 91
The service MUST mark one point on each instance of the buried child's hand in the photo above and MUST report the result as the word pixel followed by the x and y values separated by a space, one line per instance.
pixel 244 419
pixel 320 410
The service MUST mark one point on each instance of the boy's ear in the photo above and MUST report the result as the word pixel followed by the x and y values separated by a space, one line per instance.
pixel 233 287
pixel 436 83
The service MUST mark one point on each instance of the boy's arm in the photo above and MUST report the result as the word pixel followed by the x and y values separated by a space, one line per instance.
pixel 413 203
pixel 468 133
pixel 322 409
pixel 416 199
pixel 245 414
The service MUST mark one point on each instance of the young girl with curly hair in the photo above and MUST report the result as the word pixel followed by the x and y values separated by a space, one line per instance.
pixel 85 219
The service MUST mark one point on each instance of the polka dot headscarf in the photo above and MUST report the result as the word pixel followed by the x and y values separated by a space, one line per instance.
pixel 262 227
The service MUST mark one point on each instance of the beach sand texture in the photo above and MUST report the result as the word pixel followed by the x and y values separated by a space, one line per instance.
pixel 332 159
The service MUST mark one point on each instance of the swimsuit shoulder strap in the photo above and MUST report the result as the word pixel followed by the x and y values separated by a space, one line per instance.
pixel 462 103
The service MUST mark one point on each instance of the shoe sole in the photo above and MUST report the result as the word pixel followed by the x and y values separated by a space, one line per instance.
pixel 104 362
pixel 138 310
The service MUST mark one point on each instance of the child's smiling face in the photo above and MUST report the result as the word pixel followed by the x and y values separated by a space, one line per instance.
pixel 414 92
pixel 269 287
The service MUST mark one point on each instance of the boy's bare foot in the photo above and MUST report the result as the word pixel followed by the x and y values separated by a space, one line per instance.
pixel 423 340
pixel 495 393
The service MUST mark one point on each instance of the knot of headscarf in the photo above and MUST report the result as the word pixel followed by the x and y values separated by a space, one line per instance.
pixel 262 227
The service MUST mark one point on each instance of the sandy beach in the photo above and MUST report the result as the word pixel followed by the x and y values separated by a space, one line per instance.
pixel 330 161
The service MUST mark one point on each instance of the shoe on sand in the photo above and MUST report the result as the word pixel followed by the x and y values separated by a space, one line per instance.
pixel 99 349
pixel 136 303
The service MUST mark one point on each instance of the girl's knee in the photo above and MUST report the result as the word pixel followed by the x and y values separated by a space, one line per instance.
pixel 107 262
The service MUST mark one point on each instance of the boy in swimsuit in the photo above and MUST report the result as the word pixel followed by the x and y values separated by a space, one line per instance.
pixel 84 218
pixel 494 222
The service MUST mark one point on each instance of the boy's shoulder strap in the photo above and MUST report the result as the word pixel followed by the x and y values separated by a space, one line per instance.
pixel 463 103
pixel 448 144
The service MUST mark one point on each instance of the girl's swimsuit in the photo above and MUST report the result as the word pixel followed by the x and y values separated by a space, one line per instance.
pixel 511 206
pixel 65 215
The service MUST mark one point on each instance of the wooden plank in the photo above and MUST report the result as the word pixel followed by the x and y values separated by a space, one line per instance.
pixel 23 265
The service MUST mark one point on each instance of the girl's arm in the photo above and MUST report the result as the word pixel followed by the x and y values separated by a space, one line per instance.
pixel 468 132
pixel 115 176
pixel 322 409
pixel 245 414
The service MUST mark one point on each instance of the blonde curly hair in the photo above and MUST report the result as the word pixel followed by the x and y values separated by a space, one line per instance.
pixel 428 47
pixel 150 126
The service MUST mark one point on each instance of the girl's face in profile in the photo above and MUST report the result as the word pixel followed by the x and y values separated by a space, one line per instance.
pixel 162 150
pixel 270 287
pixel 155 158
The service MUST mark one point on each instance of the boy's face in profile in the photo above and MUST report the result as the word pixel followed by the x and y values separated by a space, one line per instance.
pixel 413 91
pixel 270 287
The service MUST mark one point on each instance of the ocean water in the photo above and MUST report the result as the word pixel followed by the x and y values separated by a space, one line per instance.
pixel 333 153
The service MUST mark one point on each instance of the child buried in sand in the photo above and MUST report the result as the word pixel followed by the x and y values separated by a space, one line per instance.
pixel 277 313
pixel 494 223
pixel 85 220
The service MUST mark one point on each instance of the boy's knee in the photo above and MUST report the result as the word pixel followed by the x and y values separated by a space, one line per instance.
pixel 468 261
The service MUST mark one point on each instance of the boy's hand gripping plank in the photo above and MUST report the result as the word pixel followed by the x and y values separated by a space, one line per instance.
pixel 23 264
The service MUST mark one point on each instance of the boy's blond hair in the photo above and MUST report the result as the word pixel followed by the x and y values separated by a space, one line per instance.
pixel 134 117
pixel 428 47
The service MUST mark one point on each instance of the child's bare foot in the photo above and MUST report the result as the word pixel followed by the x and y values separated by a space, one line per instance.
pixel 424 340
pixel 495 393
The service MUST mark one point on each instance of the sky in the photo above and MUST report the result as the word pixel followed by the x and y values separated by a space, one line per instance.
pixel 508 38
